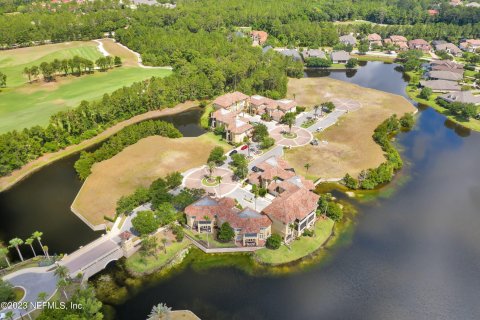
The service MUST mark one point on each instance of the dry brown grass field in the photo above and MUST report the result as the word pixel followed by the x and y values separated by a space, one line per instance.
pixel 348 147
pixel 138 165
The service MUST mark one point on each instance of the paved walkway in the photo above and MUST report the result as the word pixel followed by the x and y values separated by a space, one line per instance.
pixel 193 180
pixel 302 136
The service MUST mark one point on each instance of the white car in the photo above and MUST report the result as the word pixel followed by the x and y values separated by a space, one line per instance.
pixel 319 129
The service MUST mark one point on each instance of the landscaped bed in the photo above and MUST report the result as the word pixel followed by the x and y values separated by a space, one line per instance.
pixel 210 240
pixel 298 248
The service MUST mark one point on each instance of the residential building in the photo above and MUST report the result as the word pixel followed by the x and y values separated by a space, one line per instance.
pixel 419 44
pixel 292 212
pixel 259 104
pixel 446 65
pixel 444 75
pixel 461 96
pixel 455 2
pixel 348 39
pixel 398 41
pixel 251 227
pixel 294 54
pixel 374 39
pixel 440 85
pixel 432 12
pixel 314 53
pixel 340 56
pixel 470 45
pixel 259 37
pixel 272 169
pixel 448 47
pixel 235 101
pixel 437 42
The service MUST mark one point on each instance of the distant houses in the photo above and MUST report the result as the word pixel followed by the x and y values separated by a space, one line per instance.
pixel 444 75
pixel 470 45
pixel 314 53
pixel 293 53
pixel 440 85
pixel 374 39
pixel 348 39
pixel 447 47
pixel 259 37
pixel 446 65
pixel 419 44
pixel 398 41
pixel 461 96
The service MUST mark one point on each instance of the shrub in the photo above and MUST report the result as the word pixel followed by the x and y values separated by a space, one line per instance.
pixel 217 155
pixel 226 233
pixel 178 232
pixel 308 233
pixel 425 93
pixel 6 291
pixel 407 121
pixel 352 63
pixel 145 222
pixel 274 242
pixel 267 142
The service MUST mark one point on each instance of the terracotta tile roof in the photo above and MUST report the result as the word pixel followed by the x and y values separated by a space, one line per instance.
pixel 209 207
pixel 396 38
pixel 259 101
pixel 261 36
pixel 238 125
pixel 286 104
pixel 248 220
pixel 224 115
pixel 374 37
pixel 290 206
pixel 277 115
pixel 473 42
pixel 271 168
pixel 228 99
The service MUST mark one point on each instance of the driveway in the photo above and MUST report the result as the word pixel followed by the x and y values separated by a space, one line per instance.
pixel 327 121
pixel 302 136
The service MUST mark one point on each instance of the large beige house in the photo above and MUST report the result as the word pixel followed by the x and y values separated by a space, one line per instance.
pixel 251 227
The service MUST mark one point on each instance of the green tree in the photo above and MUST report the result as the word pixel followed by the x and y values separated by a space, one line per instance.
pixel 6 291
pixel 425 93
pixel 217 155
pixel 149 246
pixel 267 142
pixel 38 236
pixel 29 241
pixel 42 296
pixel 211 168
pixel 27 71
pixel 363 47
pixel 3 80
pixel 240 165
pixel 166 213
pixel 350 182
pixel 407 121
pixel 274 241
pixel 226 232
pixel 16 243
pixel 307 166
pixel 4 254
pixel 289 120
pixel 328 106
pixel 117 61
pixel 145 222
pixel 260 131
pixel 351 63
pixel 62 272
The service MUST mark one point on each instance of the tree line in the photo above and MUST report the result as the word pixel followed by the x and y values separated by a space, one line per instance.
pixel 75 66
pixel 127 136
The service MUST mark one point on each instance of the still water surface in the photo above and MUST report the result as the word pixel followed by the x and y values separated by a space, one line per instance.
pixel 414 255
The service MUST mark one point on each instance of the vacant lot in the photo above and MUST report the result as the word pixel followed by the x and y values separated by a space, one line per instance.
pixel 138 165
pixel 348 145
pixel 24 104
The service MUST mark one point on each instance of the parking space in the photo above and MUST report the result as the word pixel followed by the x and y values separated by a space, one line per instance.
pixel 346 104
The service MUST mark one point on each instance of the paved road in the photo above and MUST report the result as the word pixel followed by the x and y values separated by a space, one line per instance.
pixel 327 122
pixel 34 281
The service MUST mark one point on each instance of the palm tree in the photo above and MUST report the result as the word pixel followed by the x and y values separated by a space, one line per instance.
pixel 164 242
pixel 28 72
pixel 206 218
pixel 307 166
pixel 10 314
pixel 211 168
pixel 62 272
pixel 248 142
pixel 45 250
pixel 62 285
pixel 219 181
pixel 160 311
pixel 38 235
pixel 15 243
pixel 316 109
pixel 4 254
pixel 42 296
pixel 29 241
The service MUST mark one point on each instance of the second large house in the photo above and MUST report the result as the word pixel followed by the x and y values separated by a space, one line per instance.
pixel 290 213
pixel 232 109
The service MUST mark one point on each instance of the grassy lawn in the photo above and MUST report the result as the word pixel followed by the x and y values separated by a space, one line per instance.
pixel 204 120
pixel 337 66
pixel 138 165
pixel 348 146
pixel 138 264
pixel 372 58
pixel 298 248
pixel 19 293
pixel 213 243
pixel 413 93
pixel 23 105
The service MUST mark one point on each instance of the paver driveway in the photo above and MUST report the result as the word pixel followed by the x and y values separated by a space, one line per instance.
pixel 302 138
pixel 193 179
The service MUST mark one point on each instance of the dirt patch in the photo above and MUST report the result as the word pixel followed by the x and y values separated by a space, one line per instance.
pixel 137 165
pixel 346 146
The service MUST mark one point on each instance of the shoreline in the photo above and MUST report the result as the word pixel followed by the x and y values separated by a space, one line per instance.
pixel 18 175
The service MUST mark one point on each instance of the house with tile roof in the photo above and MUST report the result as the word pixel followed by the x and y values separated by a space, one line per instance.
pixel 292 212
pixel 259 37
pixel 470 45
pixel 374 39
pixel 398 41
pixel 419 44
pixel 449 48
pixel 446 65
pixel 233 101
pixel 251 227
pixel 270 170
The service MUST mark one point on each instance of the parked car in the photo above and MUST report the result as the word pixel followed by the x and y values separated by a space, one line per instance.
pixel 245 147
pixel 314 142
pixel 233 152
pixel 319 129
pixel 255 169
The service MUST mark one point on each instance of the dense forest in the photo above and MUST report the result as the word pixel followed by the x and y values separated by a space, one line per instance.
pixel 197 40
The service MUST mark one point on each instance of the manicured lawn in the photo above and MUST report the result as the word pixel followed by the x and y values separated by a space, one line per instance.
pixel 33 104
pixel 24 104
pixel 19 293
pixel 298 248
pixel 213 243
pixel 137 263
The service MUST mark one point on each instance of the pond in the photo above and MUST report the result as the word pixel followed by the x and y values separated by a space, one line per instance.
pixel 412 255
pixel 42 201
